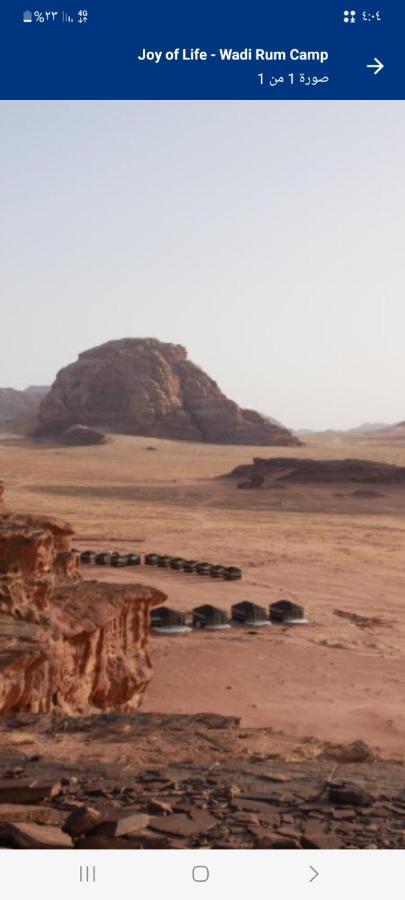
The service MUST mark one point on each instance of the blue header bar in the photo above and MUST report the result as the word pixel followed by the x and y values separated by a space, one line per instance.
pixel 322 50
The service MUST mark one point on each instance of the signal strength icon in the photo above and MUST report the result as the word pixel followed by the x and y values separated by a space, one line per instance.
pixel 66 17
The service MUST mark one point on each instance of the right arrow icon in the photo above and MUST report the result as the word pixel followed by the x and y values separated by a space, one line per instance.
pixel 315 875
pixel 377 65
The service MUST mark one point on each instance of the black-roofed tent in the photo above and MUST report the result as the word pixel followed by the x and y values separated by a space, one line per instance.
pixel 248 613
pixel 165 620
pixel 210 617
pixel 287 612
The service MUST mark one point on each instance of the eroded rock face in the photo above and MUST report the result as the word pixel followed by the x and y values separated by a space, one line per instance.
pixel 66 645
pixel 27 575
pixel 35 552
pixel 146 387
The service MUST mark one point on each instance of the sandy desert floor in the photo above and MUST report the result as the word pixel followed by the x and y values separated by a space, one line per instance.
pixel 330 679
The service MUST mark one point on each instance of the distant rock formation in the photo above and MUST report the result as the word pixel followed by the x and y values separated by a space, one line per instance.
pixel 82 436
pixel 18 408
pixel 268 472
pixel 146 387
pixel 66 645
pixel 37 390
pixel 15 405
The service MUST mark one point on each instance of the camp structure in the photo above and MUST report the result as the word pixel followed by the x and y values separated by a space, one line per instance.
pixel 164 620
pixel 232 573
pixel 190 565
pixel 164 562
pixel 248 613
pixel 151 559
pixel 211 618
pixel 203 568
pixel 177 562
pixel 133 559
pixel 87 557
pixel 217 571
pixel 102 559
pixel 119 559
pixel 285 612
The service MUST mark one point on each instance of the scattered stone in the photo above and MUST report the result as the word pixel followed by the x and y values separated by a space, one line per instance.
pixel 342 814
pixel 316 838
pixel 361 622
pixel 41 815
pixel 182 825
pixel 82 821
pixel 356 752
pixel 29 836
pixel 275 842
pixel 102 842
pixel 349 795
pixel 159 806
pixel 122 825
pixel 277 778
pixel 232 790
pixel 28 791
pixel 15 772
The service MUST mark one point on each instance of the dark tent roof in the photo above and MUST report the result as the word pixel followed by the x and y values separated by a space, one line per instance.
pixel 210 615
pixel 285 609
pixel 166 617
pixel 246 609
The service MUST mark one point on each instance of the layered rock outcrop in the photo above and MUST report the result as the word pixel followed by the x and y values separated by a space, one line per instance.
pixel 66 645
pixel 264 472
pixel 146 387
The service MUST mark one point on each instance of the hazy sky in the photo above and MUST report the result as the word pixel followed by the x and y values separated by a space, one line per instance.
pixel 268 238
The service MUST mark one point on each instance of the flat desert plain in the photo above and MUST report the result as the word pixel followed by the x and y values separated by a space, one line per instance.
pixel 333 679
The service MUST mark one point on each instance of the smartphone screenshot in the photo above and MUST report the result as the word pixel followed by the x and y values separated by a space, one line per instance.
pixel 202 450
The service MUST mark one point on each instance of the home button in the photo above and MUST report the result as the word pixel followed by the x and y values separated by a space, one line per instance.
pixel 201 873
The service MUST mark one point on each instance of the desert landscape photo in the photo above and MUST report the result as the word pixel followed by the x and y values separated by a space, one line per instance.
pixel 202 490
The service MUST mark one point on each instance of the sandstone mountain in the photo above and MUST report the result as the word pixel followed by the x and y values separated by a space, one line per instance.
pixel 146 387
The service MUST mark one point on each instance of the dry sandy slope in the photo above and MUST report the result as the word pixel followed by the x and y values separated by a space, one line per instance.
pixel 331 679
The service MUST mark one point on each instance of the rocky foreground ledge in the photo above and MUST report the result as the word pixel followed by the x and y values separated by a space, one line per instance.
pixel 66 646
pixel 218 793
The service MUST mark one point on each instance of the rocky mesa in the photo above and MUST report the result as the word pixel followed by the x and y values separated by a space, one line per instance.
pixel 66 645
pixel 141 386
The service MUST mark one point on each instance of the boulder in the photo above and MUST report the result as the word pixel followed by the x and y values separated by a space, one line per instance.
pixel 142 386
pixel 82 436
pixel 29 836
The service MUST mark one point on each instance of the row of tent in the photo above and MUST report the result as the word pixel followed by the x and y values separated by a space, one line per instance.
pixel 165 620
pixel 105 558
pixel 176 563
